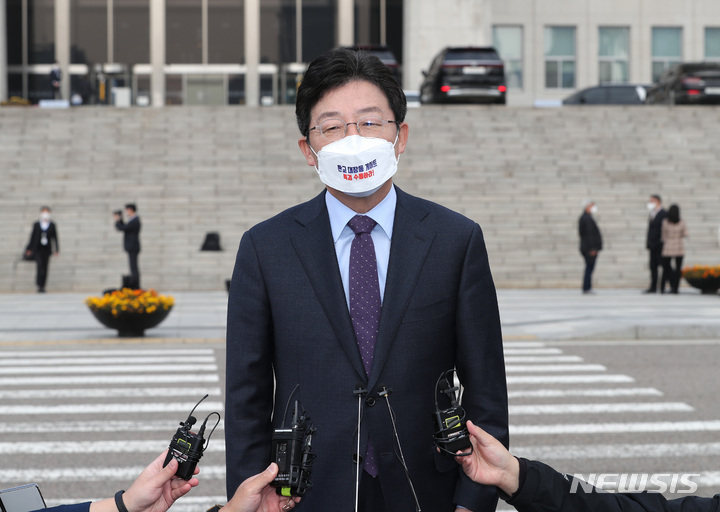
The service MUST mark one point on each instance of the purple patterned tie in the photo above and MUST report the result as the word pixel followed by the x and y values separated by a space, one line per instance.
pixel 365 303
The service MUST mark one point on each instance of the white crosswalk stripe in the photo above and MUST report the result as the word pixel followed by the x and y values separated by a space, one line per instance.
pixel 556 396
pixel 81 423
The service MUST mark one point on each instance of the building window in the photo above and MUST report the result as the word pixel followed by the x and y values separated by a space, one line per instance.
pixel 712 43
pixel 614 54
pixel 508 41
pixel 183 32
pixel 41 31
pixel 88 32
pixel 560 57
pixel 14 24
pixel 666 49
pixel 131 32
pixel 226 42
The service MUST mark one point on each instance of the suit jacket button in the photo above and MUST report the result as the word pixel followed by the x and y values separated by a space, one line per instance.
pixel 370 401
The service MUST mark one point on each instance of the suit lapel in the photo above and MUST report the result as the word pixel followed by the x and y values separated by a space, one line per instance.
pixel 316 252
pixel 411 241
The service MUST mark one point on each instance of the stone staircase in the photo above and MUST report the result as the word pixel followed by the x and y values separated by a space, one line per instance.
pixel 520 172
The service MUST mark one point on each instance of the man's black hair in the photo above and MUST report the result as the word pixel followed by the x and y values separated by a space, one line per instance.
pixel 655 196
pixel 337 67
pixel 131 206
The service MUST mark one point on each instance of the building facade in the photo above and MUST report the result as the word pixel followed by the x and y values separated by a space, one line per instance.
pixel 168 52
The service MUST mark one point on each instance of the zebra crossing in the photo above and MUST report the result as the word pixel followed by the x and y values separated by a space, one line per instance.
pixel 580 417
pixel 82 422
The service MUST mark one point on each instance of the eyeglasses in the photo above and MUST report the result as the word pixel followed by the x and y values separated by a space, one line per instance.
pixel 335 129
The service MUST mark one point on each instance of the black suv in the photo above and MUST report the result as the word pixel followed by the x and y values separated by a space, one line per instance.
pixel 382 52
pixel 465 75
pixel 609 94
pixel 689 83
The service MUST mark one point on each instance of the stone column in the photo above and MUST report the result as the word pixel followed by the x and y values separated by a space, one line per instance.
pixel 346 23
pixel 252 53
pixel 62 44
pixel 157 52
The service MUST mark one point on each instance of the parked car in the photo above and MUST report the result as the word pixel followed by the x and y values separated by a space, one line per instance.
pixel 609 94
pixel 384 53
pixel 688 83
pixel 465 75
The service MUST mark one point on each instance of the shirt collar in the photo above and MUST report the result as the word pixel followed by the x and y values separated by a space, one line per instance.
pixel 383 214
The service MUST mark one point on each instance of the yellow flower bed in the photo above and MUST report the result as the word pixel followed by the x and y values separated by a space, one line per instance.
pixel 130 301
pixel 701 271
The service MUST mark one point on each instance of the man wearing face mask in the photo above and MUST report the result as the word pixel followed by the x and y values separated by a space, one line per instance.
pixel 362 296
pixel 43 239
pixel 590 241
pixel 655 243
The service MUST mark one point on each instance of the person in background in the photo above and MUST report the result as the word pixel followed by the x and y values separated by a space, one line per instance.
pixel 131 240
pixel 590 241
pixel 531 486
pixel 43 242
pixel 673 232
pixel 654 242
pixel 55 80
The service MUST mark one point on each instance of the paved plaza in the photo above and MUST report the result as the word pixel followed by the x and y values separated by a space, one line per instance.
pixel 606 383
pixel 531 314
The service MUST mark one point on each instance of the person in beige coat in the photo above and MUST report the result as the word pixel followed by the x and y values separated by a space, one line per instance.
pixel 673 232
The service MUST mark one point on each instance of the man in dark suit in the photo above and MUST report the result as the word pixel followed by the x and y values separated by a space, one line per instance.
pixel 131 240
pixel 365 335
pixel 43 239
pixel 654 242
pixel 590 242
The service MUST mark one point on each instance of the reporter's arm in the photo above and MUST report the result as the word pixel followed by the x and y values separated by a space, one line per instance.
pixel 490 462
pixel 154 490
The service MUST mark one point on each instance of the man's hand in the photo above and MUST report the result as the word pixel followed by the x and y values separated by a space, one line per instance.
pixel 256 495
pixel 490 463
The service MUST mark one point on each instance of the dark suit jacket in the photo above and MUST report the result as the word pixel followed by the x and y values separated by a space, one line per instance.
pixel 654 234
pixel 75 507
pixel 34 244
pixel 545 489
pixel 590 238
pixel 288 320
pixel 131 230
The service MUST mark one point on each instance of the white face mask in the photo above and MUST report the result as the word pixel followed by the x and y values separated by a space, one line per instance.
pixel 593 209
pixel 355 165
pixel 45 216
pixel 650 206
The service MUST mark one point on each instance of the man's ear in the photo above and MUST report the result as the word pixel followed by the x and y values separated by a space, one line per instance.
pixel 307 152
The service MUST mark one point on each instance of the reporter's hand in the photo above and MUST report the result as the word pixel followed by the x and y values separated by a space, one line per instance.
pixel 256 495
pixel 490 462
pixel 157 488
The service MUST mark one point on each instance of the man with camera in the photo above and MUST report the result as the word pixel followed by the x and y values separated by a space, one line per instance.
pixel 131 241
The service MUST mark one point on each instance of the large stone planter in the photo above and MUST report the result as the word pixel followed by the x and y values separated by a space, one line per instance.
pixel 131 325
pixel 707 285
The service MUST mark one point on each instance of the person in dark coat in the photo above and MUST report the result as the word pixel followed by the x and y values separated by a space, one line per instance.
pixel 43 242
pixel 590 242
pixel 131 240
pixel 655 242
pixel 55 80
pixel 429 306
pixel 531 486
